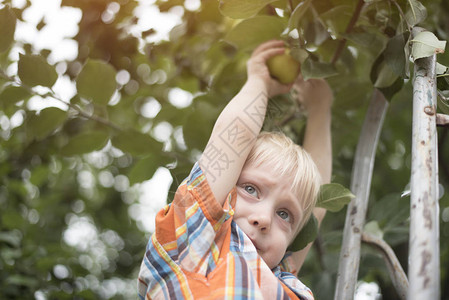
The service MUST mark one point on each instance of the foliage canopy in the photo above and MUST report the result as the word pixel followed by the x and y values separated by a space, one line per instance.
pixel 69 170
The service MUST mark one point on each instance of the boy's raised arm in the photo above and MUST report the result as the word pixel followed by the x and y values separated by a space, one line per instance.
pixel 240 122
pixel 316 95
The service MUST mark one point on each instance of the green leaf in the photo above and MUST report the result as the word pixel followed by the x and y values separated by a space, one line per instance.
pixel 48 120
pixel 426 44
pixel 136 143
pixel 7 28
pixel 316 33
pixel 391 211
pixel 395 56
pixel 85 142
pixel 384 78
pixel 441 69
pixel 416 14
pixel 373 229
pixel 299 54
pixel 34 70
pixel 39 175
pixel 393 89
pixel 337 18
pixel 333 197
pixel 443 84
pixel 313 69
pixel 254 31
pixel 370 38
pixel 307 234
pixel 144 169
pixel 298 13
pixel 197 130
pixel 96 81
pixel 238 9
pixel 13 94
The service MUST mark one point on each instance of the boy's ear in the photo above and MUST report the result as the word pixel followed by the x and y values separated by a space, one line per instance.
pixel 307 234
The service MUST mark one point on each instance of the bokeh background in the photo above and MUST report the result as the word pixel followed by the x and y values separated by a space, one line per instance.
pixel 84 167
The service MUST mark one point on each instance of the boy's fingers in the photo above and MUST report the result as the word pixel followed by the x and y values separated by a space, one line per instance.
pixel 265 55
pixel 267 45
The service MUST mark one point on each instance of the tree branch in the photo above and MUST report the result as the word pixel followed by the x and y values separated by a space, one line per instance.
pixel 442 120
pixel 349 28
pixel 440 94
pixel 290 2
pixel 397 274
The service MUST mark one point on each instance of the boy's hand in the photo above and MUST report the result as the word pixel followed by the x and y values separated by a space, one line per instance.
pixel 257 68
pixel 313 94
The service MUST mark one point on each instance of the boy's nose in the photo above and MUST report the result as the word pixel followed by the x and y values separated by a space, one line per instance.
pixel 262 222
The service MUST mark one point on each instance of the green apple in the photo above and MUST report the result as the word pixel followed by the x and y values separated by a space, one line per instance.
pixel 284 68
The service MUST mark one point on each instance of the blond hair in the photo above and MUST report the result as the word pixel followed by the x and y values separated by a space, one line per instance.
pixel 288 158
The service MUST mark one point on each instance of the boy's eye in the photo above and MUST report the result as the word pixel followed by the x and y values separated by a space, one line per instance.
pixel 251 190
pixel 284 215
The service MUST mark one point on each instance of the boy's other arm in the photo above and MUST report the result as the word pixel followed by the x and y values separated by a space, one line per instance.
pixel 240 122
pixel 316 95
pixel 317 139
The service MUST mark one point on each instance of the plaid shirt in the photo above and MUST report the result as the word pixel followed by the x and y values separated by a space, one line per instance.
pixel 198 252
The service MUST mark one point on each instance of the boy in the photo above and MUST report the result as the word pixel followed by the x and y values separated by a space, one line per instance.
pixel 232 219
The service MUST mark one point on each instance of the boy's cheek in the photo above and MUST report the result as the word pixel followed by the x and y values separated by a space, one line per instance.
pixel 280 239
pixel 285 227
pixel 242 204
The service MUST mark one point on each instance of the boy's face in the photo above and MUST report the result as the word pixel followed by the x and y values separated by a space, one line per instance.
pixel 267 210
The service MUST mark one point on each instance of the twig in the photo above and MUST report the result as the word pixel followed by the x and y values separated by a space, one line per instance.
pixel 443 120
pixel 440 94
pixel 290 2
pixel 349 28
pixel 53 95
pixel 397 274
